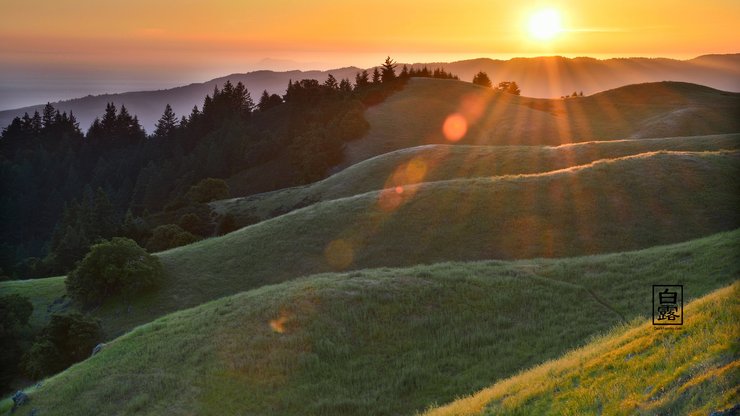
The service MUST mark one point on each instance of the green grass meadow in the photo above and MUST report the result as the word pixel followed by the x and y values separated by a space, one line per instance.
pixel 381 341
pixel 637 370
pixel 510 272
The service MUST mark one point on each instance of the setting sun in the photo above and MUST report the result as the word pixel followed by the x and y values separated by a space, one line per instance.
pixel 545 24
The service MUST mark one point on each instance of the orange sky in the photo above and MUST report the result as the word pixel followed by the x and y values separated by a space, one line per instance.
pixel 195 40
pixel 175 31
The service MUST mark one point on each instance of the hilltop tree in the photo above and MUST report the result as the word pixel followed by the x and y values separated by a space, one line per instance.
pixel 404 73
pixel 509 87
pixel 481 78
pixel 331 82
pixel 115 129
pixel 362 79
pixel 376 76
pixel 167 124
pixel 49 113
pixel 268 101
pixel 230 102
pixel 345 86
pixel 388 71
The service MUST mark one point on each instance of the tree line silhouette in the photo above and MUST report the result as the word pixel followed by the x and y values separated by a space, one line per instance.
pixel 63 190
pixel 482 79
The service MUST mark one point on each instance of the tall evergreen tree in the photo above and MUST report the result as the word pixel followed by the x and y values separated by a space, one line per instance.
pixel 167 124
pixel 481 78
pixel 376 76
pixel 388 71
pixel 404 72
pixel 331 82
pixel 345 86
pixel 362 79
pixel 49 113
pixel 268 101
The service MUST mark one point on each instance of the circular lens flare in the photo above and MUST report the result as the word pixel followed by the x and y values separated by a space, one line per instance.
pixel 455 127
pixel 339 254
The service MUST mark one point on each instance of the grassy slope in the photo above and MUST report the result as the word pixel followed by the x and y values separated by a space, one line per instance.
pixel 384 341
pixel 43 293
pixel 442 162
pixel 609 206
pixel 639 371
pixel 415 116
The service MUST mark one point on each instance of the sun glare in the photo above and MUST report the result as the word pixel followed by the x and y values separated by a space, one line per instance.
pixel 545 24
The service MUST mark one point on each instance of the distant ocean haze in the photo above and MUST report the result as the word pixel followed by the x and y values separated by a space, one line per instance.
pixel 28 89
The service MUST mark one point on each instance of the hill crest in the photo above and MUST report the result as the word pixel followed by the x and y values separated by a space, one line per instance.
pixel 534 75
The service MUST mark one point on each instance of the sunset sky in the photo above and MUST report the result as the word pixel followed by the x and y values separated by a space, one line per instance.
pixel 64 47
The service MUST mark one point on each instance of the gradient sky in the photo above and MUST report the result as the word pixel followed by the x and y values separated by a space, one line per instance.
pixel 65 47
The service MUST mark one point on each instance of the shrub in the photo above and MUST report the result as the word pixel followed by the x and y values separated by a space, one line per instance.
pixel 481 78
pixel 193 224
pixel 208 190
pixel 15 310
pixel 118 266
pixel 169 236
pixel 67 339
pixel 226 224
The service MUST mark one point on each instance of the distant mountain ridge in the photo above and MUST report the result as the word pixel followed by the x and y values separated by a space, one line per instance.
pixel 545 77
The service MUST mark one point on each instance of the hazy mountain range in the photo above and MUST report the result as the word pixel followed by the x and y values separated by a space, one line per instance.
pixel 545 77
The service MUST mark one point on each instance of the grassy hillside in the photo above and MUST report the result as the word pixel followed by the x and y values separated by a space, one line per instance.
pixel 432 163
pixel 608 206
pixel 44 294
pixel 638 371
pixel 415 116
pixel 384 341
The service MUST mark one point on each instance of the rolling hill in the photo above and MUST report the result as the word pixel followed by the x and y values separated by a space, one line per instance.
pixel 149 105
pixel 433 163
pixel 426 269
pixel 395 341
pixel 548 77
pixel 625 373
pixel 611 205
pixel 553 76
pixel 416 115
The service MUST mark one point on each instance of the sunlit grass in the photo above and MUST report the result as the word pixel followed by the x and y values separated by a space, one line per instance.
pixel 633 371
pixel 416 116
pixel 444 162
pixel 379 342
pixel 610 206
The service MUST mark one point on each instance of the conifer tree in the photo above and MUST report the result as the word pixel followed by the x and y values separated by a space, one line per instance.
pixel 362 79
pixel 481 78
pixel 376 76
pixel 167 124
pixel 331 82
pixel 388 71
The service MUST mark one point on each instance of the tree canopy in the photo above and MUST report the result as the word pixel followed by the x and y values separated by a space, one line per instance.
pixel 481 78
pixel 111 268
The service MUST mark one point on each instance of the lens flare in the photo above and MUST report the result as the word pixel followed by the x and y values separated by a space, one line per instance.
pixel 339 254
pixel 278 324
pixel 396 191
pixel 455 127
pixel 389 199
pixel 414 171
